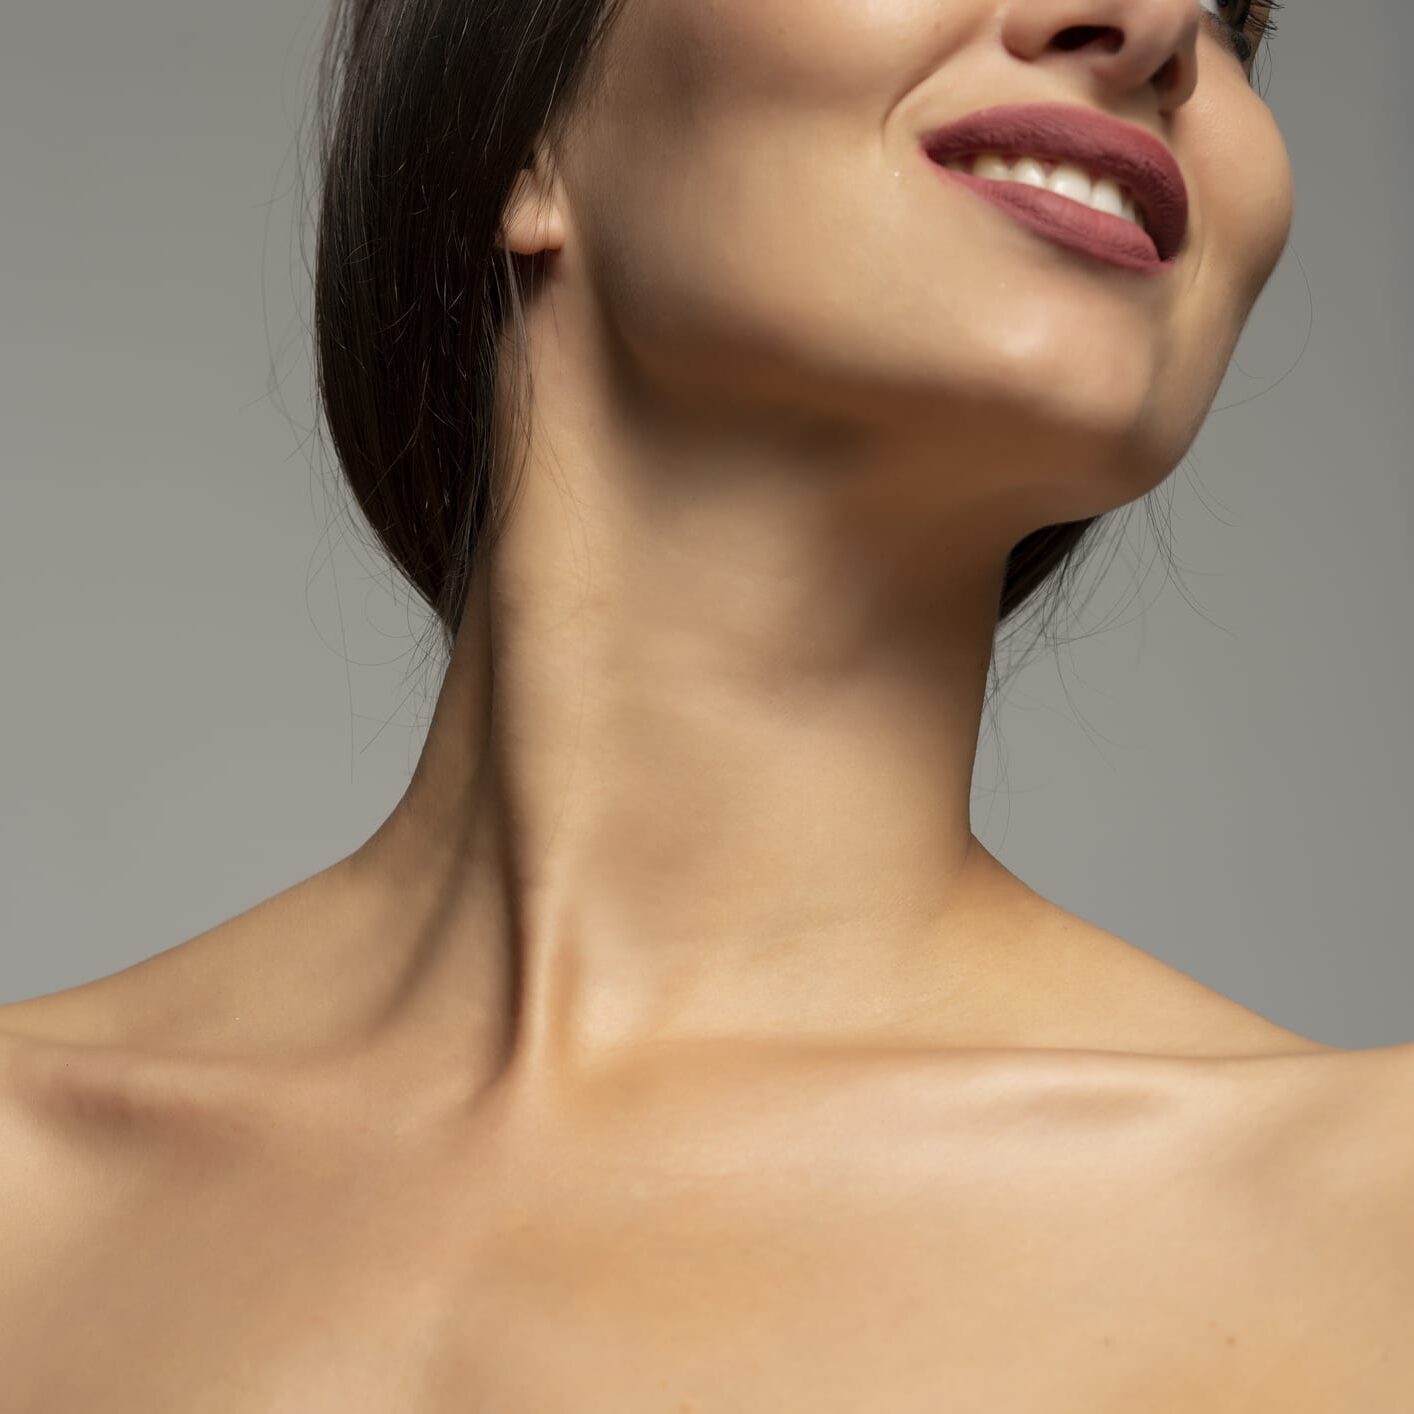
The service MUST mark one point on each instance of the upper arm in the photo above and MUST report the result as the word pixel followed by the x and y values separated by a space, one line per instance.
pixel 31 1172
pixel 1384 1151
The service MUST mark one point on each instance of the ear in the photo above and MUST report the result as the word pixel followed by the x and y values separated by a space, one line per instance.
pixel 532 221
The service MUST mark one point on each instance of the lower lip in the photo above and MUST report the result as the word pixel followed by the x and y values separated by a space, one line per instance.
pixel 1069 223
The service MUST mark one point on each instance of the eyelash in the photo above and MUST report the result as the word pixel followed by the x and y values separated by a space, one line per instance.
pixel 1255 26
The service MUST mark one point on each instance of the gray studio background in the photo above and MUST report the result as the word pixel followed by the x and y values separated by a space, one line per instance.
pixel 204 692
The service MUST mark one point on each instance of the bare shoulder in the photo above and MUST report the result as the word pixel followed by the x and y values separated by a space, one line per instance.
pixel 1357 1157
pixel 73 1062
pixel 1339 1124
pixel 1369 1101
pixel 81 1069
pixel 99 1109
pixel 49 1179
pixel 68 1078
pixel 124 1072
pixel 1360 1106
pixel 253 982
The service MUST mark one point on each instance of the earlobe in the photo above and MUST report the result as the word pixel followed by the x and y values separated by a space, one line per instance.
pixel 531 222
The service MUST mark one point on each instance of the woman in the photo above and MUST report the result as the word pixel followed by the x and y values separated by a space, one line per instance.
pixel 674 1045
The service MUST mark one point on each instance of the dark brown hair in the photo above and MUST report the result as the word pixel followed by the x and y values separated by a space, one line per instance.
pixel 426 112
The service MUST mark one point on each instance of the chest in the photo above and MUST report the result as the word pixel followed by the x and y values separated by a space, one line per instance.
pixel 775 1285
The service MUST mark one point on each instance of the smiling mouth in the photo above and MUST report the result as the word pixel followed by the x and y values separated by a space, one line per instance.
pixel 1116 240
pixel 1049 160
pixel 1096 190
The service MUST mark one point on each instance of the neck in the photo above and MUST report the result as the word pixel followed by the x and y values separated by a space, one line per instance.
pixel 709 776
pixel 701 765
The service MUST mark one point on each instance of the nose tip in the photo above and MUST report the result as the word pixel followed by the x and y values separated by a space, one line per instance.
pixel 1118 46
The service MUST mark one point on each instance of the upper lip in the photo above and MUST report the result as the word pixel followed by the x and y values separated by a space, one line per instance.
pixel 1066 132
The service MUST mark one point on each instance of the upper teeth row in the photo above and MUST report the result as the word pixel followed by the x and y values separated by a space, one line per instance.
pixel 1063 178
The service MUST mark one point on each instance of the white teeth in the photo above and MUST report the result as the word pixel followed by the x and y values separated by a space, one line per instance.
pixel 1064 178
pixel 992 166
pixel 1072 181
pixel 1029 171
pixel 1107 195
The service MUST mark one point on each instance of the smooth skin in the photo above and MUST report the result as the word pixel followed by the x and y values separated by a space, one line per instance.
pixel 674 1046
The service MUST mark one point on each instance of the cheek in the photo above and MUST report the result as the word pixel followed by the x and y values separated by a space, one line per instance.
pixel 1272 222
pixel 1244 171
pixel 737 140
pixel 803 269
pixel 728 201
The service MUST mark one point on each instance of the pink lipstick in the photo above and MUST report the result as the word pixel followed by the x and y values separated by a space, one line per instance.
pixel 1062 132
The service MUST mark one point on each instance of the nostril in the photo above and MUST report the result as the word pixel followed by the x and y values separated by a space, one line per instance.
pixel 1078 36
pixel 1168 73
